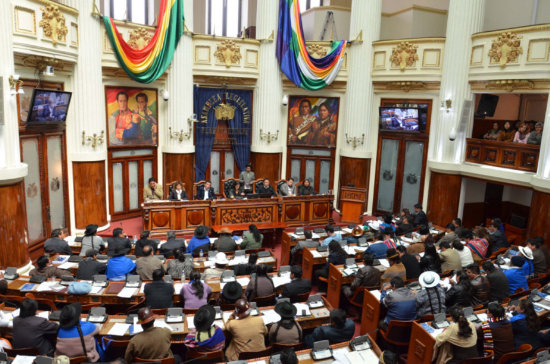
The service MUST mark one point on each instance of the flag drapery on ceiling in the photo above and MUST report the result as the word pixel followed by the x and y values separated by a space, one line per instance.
pixel 299 67
pixel 149 63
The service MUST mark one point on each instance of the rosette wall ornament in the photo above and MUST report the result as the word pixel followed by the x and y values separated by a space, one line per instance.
pixel 404 55
pixel 506 48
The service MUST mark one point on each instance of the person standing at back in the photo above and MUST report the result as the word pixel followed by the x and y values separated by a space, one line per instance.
pixel 247 176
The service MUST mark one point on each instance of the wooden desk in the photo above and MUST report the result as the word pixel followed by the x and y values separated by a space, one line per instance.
pixel 309 261
pixel 352 203
pixel 272 231
pixel 421 345
pixel 370 315
pixel 287 243
pixel 336 280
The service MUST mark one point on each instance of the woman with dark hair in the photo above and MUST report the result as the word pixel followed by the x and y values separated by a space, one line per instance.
pixel 195 293
pixel 76 337
pixel 178 193
pixel 200 237
pixel 237 191
pixel 388 222
pixel 497 331
pixel 336 255
pixel 461 292
pixel 260 285
pixel 306 188
pixel 206 336
pixel 246 268
pixel 458 342
pixel 179 264
pixel 525 325
pixel 430 261
pixel 507 133
pixel 91 240
pixel 252 239
pixel 287 331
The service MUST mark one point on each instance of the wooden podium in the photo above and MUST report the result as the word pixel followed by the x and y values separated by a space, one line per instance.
pixel 352 203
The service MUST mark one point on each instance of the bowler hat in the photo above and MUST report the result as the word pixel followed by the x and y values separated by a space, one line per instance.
pixel 70 315
pixel 145 315
pixel 225 230
pixel 232 291
pixel 285 309
pixel 204 317
pixel 90 230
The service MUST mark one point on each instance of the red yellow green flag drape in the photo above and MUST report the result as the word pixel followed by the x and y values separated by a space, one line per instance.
pixel 149 63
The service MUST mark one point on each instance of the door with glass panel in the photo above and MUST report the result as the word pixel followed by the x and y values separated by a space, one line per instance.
pixel 45 184
pixel 313 164
pixel 222 166
pixel 129 172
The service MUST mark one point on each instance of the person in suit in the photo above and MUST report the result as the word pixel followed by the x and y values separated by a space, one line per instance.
pixel 420 217
pixel 56 244
pixel 119 241
pixel 367 276
pixel 498 281
pixel 298 285
pixel 498 237
pixel 153 191
pixel 119 265
pixel 205 192
pixel 89 266
pixel 48 110
pixel 405 227
pixel 172 243
pixel 266 188
pixel 412 265
pixel 302 244
pixel 288 188
pixel 306 188
pixel 147 264
pixel 144 241
pixel 178 193
pixel 339 330
pixel 158 293
pixel 247 176
pixel 225 243
pixel 31 331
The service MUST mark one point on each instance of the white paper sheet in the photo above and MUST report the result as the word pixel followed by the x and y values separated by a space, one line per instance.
pixel 347 230
pixel 376 293
pixel 23 359
pixel 384 262
pixel 315 254
pixel 190 322
pixel 161 323
pixel 243 281
pixel 127 292
pixel 44 314
pixel 300 307
pixel 270 316
pixel 68 265
pixel 279 281
pixel 226 315
pixel 119 329
pixel 96 289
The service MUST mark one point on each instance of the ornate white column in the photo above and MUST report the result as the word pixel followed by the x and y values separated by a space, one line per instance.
pixel 465 17
pixel 359 101
pixel 268 93
pixel 179 85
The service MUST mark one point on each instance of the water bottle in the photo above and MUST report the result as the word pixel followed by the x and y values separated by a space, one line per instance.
pixel 135 240
pixel 200 255
pixel 182 276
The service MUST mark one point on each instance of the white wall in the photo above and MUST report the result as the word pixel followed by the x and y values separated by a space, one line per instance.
pixel 474 190
pixel 521 196
pixel 391 6
pixel 313 21
pixel 413 23
pixel 501 14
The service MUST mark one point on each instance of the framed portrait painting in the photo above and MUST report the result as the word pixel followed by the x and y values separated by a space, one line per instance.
pixel 132 116
pixel 313 121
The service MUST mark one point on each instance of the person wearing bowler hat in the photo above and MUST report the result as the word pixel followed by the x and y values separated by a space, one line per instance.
pixel 76 337
pixel 206 336
pixel 528 267
pixel 247 331
pixel 287 331
pixel 119 265
pixel 231 292
pixel 91 240
pixel 152 342
pixel 225 243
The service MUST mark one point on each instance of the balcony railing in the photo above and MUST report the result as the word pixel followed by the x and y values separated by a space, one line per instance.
pixel 522 157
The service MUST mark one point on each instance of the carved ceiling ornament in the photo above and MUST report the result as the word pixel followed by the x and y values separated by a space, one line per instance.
pixel 510 85
pixel 139 38
pixel 53 24
pixel 228 52
pixel 316 50
pixel 404 55
pixel 506 48
pixel 406 86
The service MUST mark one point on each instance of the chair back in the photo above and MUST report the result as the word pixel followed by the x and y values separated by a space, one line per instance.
pixel 357 298
pixel 279 184
pixel 256 184
pixel 487 359
pixel 399 332
pixel 302 297
pixel 195 188
pixel 168 187
pixel 245 355
pixel 206 355
pixel 523 352
pixel 136 307
pixel 78 360
pixel 280 347
pixel 12 353
pixel 44 304
pixel 265 300
pixel 228 185
pixel 160 361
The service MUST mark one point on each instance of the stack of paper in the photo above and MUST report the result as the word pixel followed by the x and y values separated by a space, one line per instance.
pixel 347 230
pixel 96 290
pixel 127 292
pixel 315 254
pixel 49 286
pixel 376 293
pixel 302 309
pixel 68 265
pixel 177 287
pixel 61 259
pixel 270 316
pixel 119 329
pixel 384 262
pixel 190 322
pixel 279 281
pixel 24 359
pixel 243 281
pixel 226 316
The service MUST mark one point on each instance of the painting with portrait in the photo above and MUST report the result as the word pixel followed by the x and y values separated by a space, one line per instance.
pixel 313 121
pixel 132 116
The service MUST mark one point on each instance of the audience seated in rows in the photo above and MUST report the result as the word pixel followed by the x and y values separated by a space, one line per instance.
pixel 461 291
pixel 147 264
pixel 31 331
pixel 539 259
pixel 287 331
pixel 304 244
pixel 56 243
pixel 89 266
pixel 396 269
pixel 498 281
pixel 199 239
pixel 458 342
pixel 515 275
pixel 195 293
pixel 179 264
pixel 220 263
pixel 378 248
pixel 119 242
pixel 337 256
pixel 76 337
pixel 431 298
pixel 231 292
pixel 91 240
pixel 48 271
pixel 400 301
pixel 297 285
pixel 367 276
pixel 158 293
pixel 525 325
pixel 143 242
pixel 481 286
pixel 331 235
pixel 430 261
pixel 206 336
pixel 464 253
pixel 498 335
pixel 450 234
pixel 247 268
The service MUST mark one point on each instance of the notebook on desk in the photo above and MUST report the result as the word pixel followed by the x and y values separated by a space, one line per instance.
pixel 115 287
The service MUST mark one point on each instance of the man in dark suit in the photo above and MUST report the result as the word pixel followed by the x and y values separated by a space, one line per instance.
pixel 143 241
pixel 56 244
pixel 498 237
pixel 172 243
pixel 266 188
pixel 297 285
pixel 158 293
pixel 339 330
pixel 48 111
pixel 420 217
pixel 119 240
pixel 89 267
pixel 205 192
pixel 31 331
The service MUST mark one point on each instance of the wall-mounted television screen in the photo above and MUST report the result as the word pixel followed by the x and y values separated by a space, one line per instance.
pixel 49 106
pixel 411 119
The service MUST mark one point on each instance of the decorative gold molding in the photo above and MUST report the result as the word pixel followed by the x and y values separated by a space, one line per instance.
pixel 218 38
pixel 505 49
pixel 404 55
pixel 18 29
pixel 416 7
pixel 530 48
pixel 531 28
pixel 139 38
pixel 224 112
pixel 65 8
pixel 216 81
pixel 437 63
pixel 74 36
pixel 510 85
pixel 316 50
pixel 410 40
pixel 228 52
pixel 474 48
pixel 405 85
pixel 53 24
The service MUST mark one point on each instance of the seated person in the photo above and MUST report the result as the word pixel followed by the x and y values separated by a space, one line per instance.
pixel 461 291
pixel 248 332
pixel 231 292
pixel 245 269
pixel 153 191
pixel 158 293
pixel 497 331
pixel 288 188
pixel 266 189
pixel 461 336
pixel 507 133
pixel 298 285
pixel 525 325
pixel 152 343
pixel 91 240
pixel 388 222
pixel 388 237
pixel 178 193
pixel 539 259
pixel 167 249
pixel 516 276
pixel 499 283
pixel 411 263
pixel 200 238
pixel 493 133
pixel 450 259
pixel 367 276
pixel 336 255
pixel 396 269
pixel 481 285
pixel 528 265
pixel 431 298
pixel 48 271
pixel 535 137
pixel 400 302
pixel 339 330
pixel 522 134
pixel 206 336
pixel 260 285
pixel 450 234
pixel 75 335
pixel 119 241
pixel 57 244
pixel 498 237
pixel 430 261
pixel 179 264
pixel 225 243
pixel 464 253
pixel 143 241
pixel 378 248
pixel 419 215
pixel 405 227
pixel 331 235
pixel 220 264
pixel 419 247
pixel 195 293
pixel 119 266
pixel 252 239
pixel 146 265
pixel 287 331
pixel 478 246
pixel 306 188
pixel 31 331
pixel 205 192
pixel 89 266
pixel 237 191
pixel 308 243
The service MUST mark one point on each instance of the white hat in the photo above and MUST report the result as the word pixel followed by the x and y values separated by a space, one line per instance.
pixel 527 252
pixel 429 279
pixel 221 259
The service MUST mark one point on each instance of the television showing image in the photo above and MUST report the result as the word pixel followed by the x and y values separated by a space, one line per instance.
pixel 48 106
pixel 402 119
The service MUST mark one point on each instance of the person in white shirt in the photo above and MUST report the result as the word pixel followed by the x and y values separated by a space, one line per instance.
pixel 205 192
pixel 464 253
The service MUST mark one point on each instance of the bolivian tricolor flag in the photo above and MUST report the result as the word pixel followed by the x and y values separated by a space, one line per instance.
pixel 149 63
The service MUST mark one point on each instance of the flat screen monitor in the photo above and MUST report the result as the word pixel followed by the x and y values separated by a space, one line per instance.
pixel 49 106
pixel 411 119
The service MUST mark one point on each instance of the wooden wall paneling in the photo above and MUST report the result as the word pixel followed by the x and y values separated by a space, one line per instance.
pixel 473 215
pixel 293 210
pixel 90 201
pixel 354 171
pixel 540 215
pixel 13 221
pixel 443 198
pixel 180 167
pixel 266 165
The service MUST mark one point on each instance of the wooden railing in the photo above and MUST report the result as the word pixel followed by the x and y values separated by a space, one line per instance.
pixel 503 154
